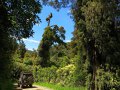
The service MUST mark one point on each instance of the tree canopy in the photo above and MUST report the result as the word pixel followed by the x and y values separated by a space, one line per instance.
pixel 17 18
pixel 91 59
pixel 21 15
pixel 52 34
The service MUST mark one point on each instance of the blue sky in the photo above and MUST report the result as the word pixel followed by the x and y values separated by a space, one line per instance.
pixel 60 18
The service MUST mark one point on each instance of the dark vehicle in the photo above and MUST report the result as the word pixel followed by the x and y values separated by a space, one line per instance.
pixel 26 79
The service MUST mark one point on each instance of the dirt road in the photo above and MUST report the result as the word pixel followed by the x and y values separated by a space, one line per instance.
pixel 35 87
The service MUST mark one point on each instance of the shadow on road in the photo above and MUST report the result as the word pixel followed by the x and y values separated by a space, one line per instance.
pixel 25 87
pixel 29 87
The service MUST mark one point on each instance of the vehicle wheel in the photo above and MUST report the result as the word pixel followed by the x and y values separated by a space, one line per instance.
pixel 30 85
pixel 21 86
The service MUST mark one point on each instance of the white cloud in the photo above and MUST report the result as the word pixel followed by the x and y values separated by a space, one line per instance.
pixel 37 42
pixel 67 40
pixel 31 40
pixel 30 49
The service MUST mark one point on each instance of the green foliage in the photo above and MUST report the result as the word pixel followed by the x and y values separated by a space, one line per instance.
pixel 45 74
pixel 91 58
pixel 16 21
pixel 22 16
pixel 57 4
pixel 51 35
pixel 30 57
pixel 97 36
pixel 28 62
pixel 60 61
pixel 65 75
pixel 107 79
pixel 6 84
pixel 80 71
pixel 21 50
pixel 23 65
pixel 6 52
pixel 58 55
pixel 17 68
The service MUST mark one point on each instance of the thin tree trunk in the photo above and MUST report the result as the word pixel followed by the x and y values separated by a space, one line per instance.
pixel 94 86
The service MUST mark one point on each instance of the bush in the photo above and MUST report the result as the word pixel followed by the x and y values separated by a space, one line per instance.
pixel 62 76
pixel 60 61
pixel 47 74
pixel 108 80
pixel 28 62
pixel 18 68
pixel 65 75
pixel 80 71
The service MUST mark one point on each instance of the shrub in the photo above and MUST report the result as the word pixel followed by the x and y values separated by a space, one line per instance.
pixel 65 75
pixel 28 62
pixel 47 74
pixel 18 68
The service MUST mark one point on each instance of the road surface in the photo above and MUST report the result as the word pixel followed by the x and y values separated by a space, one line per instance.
pixel 35 87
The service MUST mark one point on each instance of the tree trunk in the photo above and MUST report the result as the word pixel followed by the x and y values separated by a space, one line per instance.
pixel 94 86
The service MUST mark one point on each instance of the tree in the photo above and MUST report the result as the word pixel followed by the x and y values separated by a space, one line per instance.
pixel 97 34
pixel 21 49
pixel 57 4
pixel 53 34
pixel 17 18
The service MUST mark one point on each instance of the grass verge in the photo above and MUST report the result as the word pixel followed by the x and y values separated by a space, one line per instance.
pixel 58 87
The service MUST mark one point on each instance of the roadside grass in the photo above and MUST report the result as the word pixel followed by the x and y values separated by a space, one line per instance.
pixel 58 87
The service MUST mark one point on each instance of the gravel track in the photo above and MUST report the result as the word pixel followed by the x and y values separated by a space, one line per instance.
pixel 35 87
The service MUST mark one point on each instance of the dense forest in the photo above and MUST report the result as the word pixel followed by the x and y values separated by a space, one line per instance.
pixel 91 59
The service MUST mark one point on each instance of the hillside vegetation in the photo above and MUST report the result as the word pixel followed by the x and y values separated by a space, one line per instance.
pixel 91 59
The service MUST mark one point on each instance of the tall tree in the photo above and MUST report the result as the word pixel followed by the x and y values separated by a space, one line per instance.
pixel 53 34
pixel 99 34
pixel 17 18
